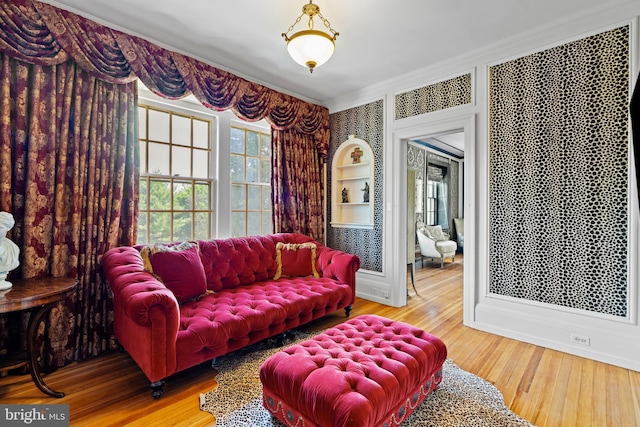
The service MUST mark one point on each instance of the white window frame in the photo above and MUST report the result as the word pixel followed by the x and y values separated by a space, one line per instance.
pixel 264 229
pixel 186 109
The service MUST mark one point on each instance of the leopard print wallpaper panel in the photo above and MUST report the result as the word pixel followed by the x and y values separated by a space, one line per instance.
pixel 558 175
pixel 438 96
pixel 365 122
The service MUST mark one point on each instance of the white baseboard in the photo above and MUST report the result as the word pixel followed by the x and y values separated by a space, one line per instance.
pixel 602 340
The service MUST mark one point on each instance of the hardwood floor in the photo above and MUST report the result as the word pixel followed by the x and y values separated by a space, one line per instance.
pixel 547 387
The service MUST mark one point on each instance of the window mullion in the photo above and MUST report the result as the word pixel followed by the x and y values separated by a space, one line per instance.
pixel 177 144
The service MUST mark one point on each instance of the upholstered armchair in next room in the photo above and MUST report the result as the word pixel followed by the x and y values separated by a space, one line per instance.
pixel 435 243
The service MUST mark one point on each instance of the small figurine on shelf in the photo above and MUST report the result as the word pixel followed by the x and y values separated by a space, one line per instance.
pixel 356 154
pixel 345 195
pixel 9 251
pixel 365 195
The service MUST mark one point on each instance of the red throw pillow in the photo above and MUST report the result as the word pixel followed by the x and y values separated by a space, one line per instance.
pixel 179 267
pixel 295 260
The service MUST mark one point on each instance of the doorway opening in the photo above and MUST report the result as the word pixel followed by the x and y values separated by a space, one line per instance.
pixel 435 206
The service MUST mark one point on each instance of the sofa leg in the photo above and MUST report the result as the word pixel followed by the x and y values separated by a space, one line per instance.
pixel 280 339
pixel 347 310
pixel 156 389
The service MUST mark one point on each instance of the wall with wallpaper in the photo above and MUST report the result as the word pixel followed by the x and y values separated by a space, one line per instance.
pixel 558 171
pixel 559 157
pixel 365 122
pixel 555 232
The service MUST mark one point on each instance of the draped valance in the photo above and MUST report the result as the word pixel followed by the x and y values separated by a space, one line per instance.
pixel 41 34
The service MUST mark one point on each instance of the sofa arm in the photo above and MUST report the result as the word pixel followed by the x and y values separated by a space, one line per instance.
pixel 338 265
pixel 146 313
pixel 135 289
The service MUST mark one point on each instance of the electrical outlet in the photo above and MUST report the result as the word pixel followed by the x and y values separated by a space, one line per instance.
pixel 580 339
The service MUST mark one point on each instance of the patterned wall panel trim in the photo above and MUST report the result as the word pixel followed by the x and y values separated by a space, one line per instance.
pixel 416 160
pixel 365 122
pixel 438 96
pixel 558 175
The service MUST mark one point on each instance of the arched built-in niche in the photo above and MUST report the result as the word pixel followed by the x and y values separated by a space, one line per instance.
pixel 352 181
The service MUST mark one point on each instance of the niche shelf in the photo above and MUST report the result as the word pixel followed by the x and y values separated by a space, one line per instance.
pixel 352 169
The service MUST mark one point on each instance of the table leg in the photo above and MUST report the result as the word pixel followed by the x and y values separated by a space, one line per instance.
pixel 412 266
pixel 34 365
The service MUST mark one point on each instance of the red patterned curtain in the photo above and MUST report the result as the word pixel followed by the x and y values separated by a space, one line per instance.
pixel 297 175
pixel 172 75
pixel 68 149
pixel 68 174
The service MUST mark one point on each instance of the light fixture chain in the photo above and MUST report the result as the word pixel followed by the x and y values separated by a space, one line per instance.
pixel 295 23
pixel 328 25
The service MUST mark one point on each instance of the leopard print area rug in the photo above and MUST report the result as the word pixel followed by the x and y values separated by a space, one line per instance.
pixel 462 399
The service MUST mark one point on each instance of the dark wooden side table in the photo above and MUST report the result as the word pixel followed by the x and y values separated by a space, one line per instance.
pixel 41 292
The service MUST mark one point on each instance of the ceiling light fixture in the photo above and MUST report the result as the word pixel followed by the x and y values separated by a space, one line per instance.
pixel 311 48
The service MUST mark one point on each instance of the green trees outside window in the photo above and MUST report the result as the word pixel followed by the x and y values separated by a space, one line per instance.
pixel 176 185
pixel 250 182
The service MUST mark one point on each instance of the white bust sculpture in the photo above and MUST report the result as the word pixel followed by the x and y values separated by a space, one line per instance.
pixel 9 251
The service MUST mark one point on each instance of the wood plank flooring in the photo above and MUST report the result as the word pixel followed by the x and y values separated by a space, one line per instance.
pixel 547 387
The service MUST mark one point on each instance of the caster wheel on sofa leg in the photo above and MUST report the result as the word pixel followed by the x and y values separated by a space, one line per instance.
pixel 156 389
pixel 347 310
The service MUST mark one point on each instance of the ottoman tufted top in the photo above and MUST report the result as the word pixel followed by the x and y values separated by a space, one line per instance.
pixel 355 373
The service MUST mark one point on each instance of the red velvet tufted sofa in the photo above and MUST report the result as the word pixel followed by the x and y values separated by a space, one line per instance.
pixel 242 304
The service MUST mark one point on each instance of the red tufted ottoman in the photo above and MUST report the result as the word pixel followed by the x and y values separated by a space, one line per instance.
pixel 367 371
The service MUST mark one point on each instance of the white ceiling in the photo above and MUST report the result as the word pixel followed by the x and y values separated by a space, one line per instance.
pixel 379 39
pixel 451 143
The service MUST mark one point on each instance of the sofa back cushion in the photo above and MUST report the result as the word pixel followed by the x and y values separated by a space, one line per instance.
pixel 179 267
pixel 236 261
pixel 295 260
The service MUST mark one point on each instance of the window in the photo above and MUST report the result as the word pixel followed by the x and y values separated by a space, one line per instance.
pixel 250 182
pixel 431 215
pixel 176 185
pixel 437 206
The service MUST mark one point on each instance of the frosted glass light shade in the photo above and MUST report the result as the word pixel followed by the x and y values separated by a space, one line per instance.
pixel 310 48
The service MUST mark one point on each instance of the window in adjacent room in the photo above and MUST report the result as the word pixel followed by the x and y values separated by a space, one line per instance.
pixel 436 196
pixel 250 182
pixel 431 214
pixel 176 184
